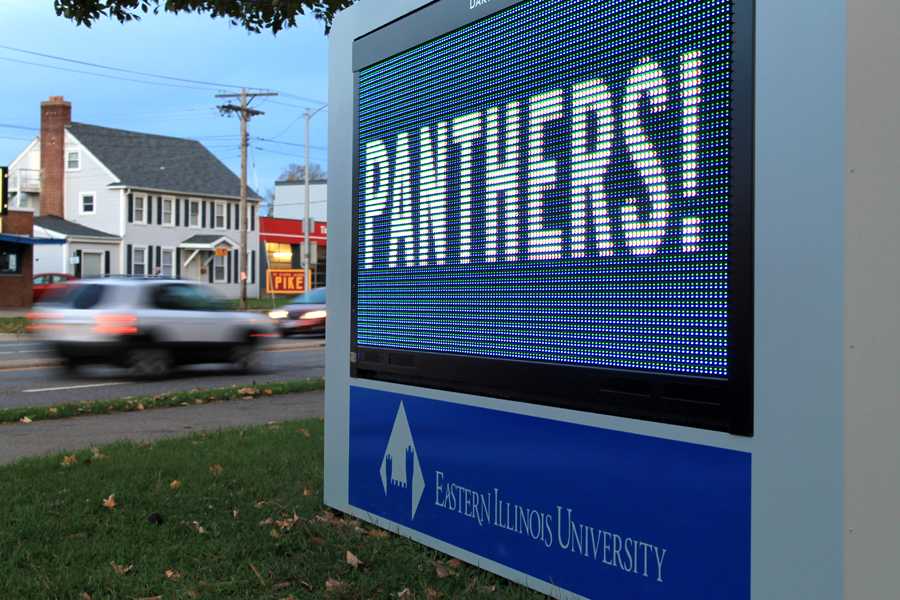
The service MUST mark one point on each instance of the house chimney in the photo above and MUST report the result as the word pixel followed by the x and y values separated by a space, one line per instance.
pixel 56 113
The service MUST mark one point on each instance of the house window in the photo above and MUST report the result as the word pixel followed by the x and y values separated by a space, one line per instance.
pixel 168 212
pixel 168 262
pixel 195 213
pixel 219 221
pixel 139 262
pixel 219 269
pixel 10 261
pixel 73 160
pixel 87 204
pixel 140 209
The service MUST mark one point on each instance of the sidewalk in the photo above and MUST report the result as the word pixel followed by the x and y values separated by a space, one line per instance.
pixel 47 437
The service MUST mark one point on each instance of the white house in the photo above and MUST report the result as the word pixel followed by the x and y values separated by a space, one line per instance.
pixel 131 203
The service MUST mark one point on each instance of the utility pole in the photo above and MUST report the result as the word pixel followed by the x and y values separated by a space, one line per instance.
pixel 246 113
pixel 307 224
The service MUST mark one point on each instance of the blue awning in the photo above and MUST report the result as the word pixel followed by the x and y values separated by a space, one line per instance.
pixel 12 238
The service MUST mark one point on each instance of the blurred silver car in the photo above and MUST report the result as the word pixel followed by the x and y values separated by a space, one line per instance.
pixel 306 313
pixel 148 326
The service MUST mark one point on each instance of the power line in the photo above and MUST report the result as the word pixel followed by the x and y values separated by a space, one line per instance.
pixel 273 141
pixel 213 84
pixel 103 75
pixel 9 126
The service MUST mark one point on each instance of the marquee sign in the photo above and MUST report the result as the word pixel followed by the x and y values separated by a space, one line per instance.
pixel 556 201
pixel 285 281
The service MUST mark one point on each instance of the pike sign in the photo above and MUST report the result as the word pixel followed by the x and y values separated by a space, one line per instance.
pixel 560 174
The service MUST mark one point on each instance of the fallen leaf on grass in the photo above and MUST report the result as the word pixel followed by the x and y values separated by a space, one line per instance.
pixel 25 421
pixel 432 594
pixel 216 470
pixel 304 431
pixel 175 484
pixel 197 527
pixel 289 522
pixel 454 563
pixel 172 575
pixel 274 533
pixel 151 598
pixel 139 407
pixel 97 454
pixel 69 460
pixel 260 503
pixel 308 492
pixel 405 594
pixel 86 596
pixel 489 589
pixel 317 541
pixel 121 569
pixel 267 392
pixel 441 570
pixel 378 533
pixel 258 576
pixel 281 585
pixel 199 401
pixel 266 522
pixel 247 391
pixel 110 502
pixel 353 560
pixel 333 584
pixel 235 513
pixel 52 410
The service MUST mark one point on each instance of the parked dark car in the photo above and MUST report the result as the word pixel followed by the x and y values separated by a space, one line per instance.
pixel 304 314
pixel 46 285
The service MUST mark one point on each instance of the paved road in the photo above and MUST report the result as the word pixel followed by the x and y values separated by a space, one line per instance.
pixel 41 386
pixel 46 437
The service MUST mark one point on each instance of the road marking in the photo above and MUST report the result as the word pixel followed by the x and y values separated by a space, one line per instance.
pixel 75 387
pixel 24 352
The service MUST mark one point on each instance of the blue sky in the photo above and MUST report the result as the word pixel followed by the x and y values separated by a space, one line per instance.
pixel 188 46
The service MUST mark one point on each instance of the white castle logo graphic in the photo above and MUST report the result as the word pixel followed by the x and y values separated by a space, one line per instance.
pixel 401 473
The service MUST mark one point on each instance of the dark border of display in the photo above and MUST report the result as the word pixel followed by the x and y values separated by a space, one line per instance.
pixel 708 403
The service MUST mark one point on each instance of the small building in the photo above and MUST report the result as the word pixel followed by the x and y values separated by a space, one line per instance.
pixel 17 244
pixel 131 203
pixel 281 247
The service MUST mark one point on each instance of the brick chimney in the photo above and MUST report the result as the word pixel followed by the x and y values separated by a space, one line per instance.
pixel 56 113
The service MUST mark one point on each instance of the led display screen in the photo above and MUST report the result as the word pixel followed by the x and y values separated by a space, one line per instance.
pixel 552 184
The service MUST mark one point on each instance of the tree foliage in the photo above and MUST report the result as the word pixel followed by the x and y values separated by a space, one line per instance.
pixel 295 172
pixel 253 15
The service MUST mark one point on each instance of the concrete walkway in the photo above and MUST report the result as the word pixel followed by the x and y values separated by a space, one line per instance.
pixel 48 437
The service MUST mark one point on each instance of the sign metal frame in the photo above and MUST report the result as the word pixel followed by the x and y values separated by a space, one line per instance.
pixel 702 402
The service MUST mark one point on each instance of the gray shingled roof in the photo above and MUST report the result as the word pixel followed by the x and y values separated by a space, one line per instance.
pixel 68 228
pixel 157 162
pixel 203 239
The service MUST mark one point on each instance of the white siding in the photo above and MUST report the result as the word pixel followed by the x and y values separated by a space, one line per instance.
pixel 290 198
pixel 92 177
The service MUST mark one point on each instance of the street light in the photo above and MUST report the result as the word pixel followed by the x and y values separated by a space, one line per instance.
pixel 307 225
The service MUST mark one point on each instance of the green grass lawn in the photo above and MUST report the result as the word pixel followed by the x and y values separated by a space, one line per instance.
pixel 140 403
pixel 13 324
pixel 244 520
pixel 267 303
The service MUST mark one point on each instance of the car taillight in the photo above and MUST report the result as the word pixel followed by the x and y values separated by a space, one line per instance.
pixel 40 321
pixel 115 324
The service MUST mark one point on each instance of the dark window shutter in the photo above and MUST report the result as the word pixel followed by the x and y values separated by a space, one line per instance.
pixel 227 217
pixel 252 267
pixel 177 212
pixel 159 210
pixel 149 270
pixel 106 263
pixel 237 216
pixel 78 265
pixel 203 213
pixel 237 266
pixel 187 212
pixel 128 259
pixel 131 208
pixel 178 263
pixel 252 218
pixel 227 269
pixel 159 258
pixel 148 210
pixel 211 267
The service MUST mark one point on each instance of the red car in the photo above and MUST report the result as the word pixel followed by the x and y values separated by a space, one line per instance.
pixel 48 284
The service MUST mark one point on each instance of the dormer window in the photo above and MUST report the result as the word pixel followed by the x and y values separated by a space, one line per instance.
pixel 73 160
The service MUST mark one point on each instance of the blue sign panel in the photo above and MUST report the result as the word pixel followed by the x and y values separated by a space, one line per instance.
pixel 597 512
pixel 553 183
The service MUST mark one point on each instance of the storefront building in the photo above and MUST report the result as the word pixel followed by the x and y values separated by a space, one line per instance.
pixel 281 249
